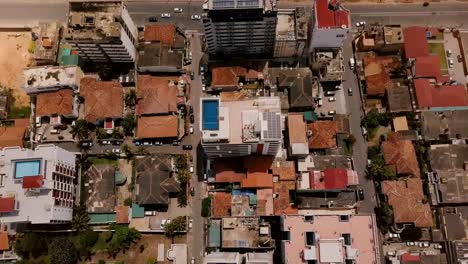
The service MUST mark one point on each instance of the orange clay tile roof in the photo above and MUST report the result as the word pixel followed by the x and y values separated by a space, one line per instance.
pixel 59 102
pixel 286 170
pixel 156 95
pixel 377 73
pixel 229 170
pixel 297 128
pixel 103 99
pixel 282 204
pixel 229 76
pixel 164 33
pixel 401 155
pixel 221 204
pixel 323 134
pixel 257 180
pixel 255 163
pixel 157 127
pixel 406 198
pixel 4 245
pixel 122 213
pixel 12 136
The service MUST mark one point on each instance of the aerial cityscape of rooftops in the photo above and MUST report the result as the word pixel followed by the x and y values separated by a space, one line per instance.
pixel 234 131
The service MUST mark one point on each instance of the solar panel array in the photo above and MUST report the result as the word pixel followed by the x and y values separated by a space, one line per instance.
pixel 273 130
pixel 224 4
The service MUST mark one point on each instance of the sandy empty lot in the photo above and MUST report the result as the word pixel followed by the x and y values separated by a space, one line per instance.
pixel 14 57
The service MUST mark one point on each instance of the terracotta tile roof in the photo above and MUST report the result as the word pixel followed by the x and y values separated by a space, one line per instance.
pixel 156 95
pixel 336 179
pixel 59 102
pixel 401 154
pixel 7 204
pixel 377 72
pixel 229 76
pixel 264 202
pixel 415 42
pixel 406 198
pixel 4 244
pixel 12 136
pixel 257 180
pixel 429 95
pixel 22 122
pixel 282 204
pixel 428 67
pixel 297 128
pixel 122 213
pixel 221 204
pixel 229 170
pixel 408 258
pixel 103 99
pixel 286 170
pixel 164 33
pixel 157 127
pixel 33 182
pixel 254 163
pixel 327 18
pixel 323 134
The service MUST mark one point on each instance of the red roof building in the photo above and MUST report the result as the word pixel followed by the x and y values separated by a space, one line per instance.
pixel 429 95
pixel 229 170
pixel 33 182
pixel 415 42
pixel 335 179
pixel 257 180
pixel 335 17
pixel 408 258
pixel 429 67
pixel 221 204
pixel 400 155
pixel 122 214
pixel 7 204
pixel 164 33
pixel 4 244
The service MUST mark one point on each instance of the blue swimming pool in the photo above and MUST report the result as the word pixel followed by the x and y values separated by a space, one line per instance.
pixel 210 110
pixel 27 168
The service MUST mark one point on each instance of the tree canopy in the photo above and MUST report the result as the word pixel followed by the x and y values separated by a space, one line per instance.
pixel 62 251
pixel 411 233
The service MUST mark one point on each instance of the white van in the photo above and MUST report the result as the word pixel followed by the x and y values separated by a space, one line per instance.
pixel 352 63
pixel 320 102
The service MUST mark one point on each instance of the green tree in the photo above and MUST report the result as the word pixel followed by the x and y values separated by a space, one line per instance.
pixel 206 206
pixel 128 201
pixel 130 98
pixel 117 133
pixel 411 233
pixel 80 219
pixel 62 251
pixel 127 150
pixel 128 124
pixel 182 199
pixel 84 242
pixel 152 260
pixel 101 261
pixel 122 239
pixel 183 176
pixel 386 214
pixel 178 224
pixel 373 152
pixel 31 245
pixel 80 130
pixel 141 151
pixel 101 133
pixel 181 162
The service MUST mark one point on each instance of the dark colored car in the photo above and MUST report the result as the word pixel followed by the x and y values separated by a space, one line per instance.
pixel 192 191
pixel 153 19
pixel 87 144
pixel 117 142
pixel 192 119
pixel 191 109
pixel 360 193
pixel 192 76
pixel 187 147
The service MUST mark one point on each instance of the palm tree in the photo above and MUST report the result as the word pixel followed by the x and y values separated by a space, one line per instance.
pixel 127 150
pixel 80 219
pixel 101 133
pixel 130 98
pixel 80 130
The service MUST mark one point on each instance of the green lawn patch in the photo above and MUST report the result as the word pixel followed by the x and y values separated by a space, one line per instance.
pixel 439 49
pixel 19 112
pixel 101 243
pixel 101 161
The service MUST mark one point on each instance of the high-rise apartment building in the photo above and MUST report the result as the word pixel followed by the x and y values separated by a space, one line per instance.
pixel 240 26
pixel 291 33
pixel 36 186
pixel 102 31
pixel 241 127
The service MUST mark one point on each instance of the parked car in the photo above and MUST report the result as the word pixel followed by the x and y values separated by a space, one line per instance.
pixel 190 223
pixel 105 142
pixel 350 91
pixel 163 223
pixel 393 235
pixel 331 112
pixel 329 93
pixel 202 70
pixel 117 142
pixel 192 261
pixel 196 17
pixel 87 144
pixel 205 177
pixel 192 76
pixel 187 147
pixel 191 129
pixel 332 99
pixel 450 63
pixel 147 143
pixel 192 118
pixel 360 23
pixel 320 102
pixel 192 191
pixel 175 143
pixel 449 53
pixel 116 151
pixel 165 15
pixel 437 246
pixel 190 109
pixel 38 121
pixel 410 243
pixel 352 63
pixel 203 87
pixel 191 169
pixel 177 10
pixel 54 131
pixel 150 213
pixel 153 19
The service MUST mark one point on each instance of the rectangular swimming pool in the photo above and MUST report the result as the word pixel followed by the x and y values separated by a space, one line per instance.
pixel 210 110
pixel 27 168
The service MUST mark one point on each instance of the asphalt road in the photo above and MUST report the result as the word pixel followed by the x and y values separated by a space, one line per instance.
pixel 20 12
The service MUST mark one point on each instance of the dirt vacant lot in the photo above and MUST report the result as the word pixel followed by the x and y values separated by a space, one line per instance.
pixel 14 57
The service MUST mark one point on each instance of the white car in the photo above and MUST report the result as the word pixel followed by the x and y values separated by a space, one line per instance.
pixel 163 223
pixel 191 169
pixel 331 99
pixel 165 15
pixel 190 223
pixel 105 142
pixel 196 17
pixel 192 261
pixel 177 10
pixel 203 87
pixel 38 121
pixel 410 243
pixel 191 129
pixel 450 63
pixel 360 23
pixel 116 151
pixel 332 112
pixel 393 235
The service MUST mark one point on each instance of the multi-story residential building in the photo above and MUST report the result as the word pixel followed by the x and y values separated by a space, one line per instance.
pixel 331 23
pixel 36 186
pixel 102 31
pixel 240 128
pixel 329 239
pixel 291 33
pixel 240 26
